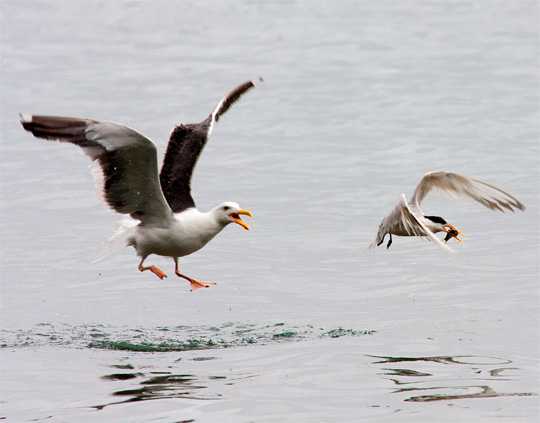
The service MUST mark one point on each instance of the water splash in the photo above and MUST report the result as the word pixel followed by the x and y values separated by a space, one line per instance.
pixel 165 339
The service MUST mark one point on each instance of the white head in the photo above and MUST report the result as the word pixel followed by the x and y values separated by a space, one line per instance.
pixel 230 212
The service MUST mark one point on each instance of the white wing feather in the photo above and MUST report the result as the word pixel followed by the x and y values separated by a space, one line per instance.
pixel 453 183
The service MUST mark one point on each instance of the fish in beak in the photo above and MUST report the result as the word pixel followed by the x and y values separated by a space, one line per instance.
pixel 452 232
pixel 235 217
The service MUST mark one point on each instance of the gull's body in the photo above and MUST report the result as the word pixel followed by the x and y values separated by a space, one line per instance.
pixel 169 224
pixel 408 219
pixel 184 234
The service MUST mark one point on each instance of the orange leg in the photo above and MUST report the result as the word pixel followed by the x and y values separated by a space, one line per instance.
pixel 195 284
pixel 154 269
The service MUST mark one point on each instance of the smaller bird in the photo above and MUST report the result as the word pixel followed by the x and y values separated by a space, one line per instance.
pixel 408 219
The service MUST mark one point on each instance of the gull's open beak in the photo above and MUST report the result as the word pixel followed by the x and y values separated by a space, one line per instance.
pixel 236 218
pixel 452 232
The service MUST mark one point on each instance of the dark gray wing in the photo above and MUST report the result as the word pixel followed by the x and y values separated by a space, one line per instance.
pixel 185 146
pixel 127 159
pixel 453 183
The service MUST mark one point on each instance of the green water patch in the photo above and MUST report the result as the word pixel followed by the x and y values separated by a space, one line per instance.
pixel 188 345
pixel 339 332
pixel 285 334
pixel 171 338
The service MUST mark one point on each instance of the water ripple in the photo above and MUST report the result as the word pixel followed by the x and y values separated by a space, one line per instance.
pixel 458 379
pixel 163 339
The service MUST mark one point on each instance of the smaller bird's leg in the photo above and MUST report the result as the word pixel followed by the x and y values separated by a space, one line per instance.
pixel 195 284
pixel 154 269
pixel 381 241
pixel 389 242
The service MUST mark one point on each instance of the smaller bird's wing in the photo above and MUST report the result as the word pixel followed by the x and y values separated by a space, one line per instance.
pixel 127 160
pixel 185 146
pixel 453 183
pixel 406 219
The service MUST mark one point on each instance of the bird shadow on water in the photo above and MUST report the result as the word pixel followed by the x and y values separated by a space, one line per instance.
pixel 156 385
pixel 445 378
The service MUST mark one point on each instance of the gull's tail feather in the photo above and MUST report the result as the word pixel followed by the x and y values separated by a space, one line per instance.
pixel 119 239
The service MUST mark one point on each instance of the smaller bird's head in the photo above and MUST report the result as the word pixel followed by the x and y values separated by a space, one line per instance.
pixel 230 212
pixel 441 225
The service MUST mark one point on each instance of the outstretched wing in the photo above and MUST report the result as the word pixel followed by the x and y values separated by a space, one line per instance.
pixel 185 145
pixel 406 220
pixel 488 195
pixel 127 159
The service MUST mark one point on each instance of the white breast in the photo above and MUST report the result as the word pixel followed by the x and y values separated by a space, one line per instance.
pixel 188 232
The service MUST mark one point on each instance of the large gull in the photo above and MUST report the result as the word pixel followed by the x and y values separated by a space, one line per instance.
pixel 168 222
pixel 408 219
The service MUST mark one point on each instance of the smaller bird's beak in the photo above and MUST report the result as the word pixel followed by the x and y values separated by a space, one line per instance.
pixel 452 232
pixel 236 218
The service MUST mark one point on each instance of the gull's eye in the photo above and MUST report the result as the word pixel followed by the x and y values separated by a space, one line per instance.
pixel 226 208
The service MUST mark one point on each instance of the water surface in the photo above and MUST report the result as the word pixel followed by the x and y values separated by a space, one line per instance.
pixel 359 100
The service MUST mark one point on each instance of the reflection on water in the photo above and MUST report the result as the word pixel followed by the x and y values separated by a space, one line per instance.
pixel 457 378
pixel 456 359
pixel 405 372
pixel 156 385
pixel 482 391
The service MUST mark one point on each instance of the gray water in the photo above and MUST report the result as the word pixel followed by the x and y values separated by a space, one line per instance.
pixel 306 324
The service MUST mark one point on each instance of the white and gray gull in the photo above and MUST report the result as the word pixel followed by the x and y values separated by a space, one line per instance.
pixel 167 220
pixel 408 219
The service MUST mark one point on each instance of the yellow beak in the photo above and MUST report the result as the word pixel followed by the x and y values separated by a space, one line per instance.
pixel 236 218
